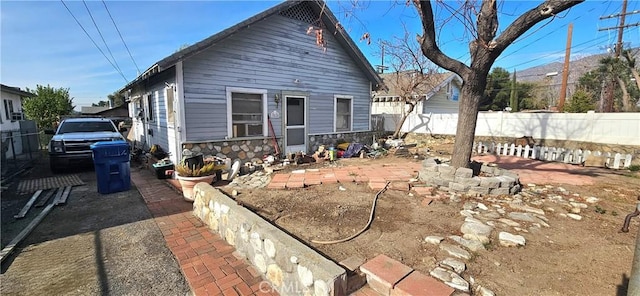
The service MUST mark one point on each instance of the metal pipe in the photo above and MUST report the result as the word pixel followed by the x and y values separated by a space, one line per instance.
pixel 634 279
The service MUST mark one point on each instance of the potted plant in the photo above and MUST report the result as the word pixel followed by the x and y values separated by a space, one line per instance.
pixel 191 174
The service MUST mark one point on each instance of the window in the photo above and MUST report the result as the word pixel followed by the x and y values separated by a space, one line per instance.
pixel 8 109
pixel 343 114
pixel 149 107
pixel 169 101
pixel 247 108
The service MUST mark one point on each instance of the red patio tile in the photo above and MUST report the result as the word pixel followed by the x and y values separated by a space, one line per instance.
pixel 383 273
pixel 274 185
pixel 296 184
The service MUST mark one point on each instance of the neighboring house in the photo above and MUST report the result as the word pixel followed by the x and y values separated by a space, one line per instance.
pixel 263 80
pixel 12 122
pixel 93 110
pixel 441 92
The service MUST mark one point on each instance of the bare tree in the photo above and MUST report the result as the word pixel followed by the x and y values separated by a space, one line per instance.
pixel 412 76
pixel 484 48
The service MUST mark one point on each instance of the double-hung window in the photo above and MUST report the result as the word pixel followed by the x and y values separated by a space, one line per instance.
pixel 8 109
pixel 343 114
pixel 248 109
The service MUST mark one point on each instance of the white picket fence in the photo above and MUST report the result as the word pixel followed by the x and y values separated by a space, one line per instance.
pixel 575 156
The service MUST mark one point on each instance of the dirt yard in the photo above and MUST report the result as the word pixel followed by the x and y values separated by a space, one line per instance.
pixel 586 257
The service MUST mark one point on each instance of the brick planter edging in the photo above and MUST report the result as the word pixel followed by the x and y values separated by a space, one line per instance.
pixel 291 267
pixel 496 181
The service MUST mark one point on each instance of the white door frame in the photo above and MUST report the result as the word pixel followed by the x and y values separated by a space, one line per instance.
pixel 295 148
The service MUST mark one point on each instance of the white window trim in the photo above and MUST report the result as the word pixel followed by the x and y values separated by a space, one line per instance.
pixel 171 108
pixel 265 111
pixel 335 112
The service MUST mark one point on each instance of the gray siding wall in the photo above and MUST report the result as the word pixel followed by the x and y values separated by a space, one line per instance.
pixel 440 102
pixel 155 87
pixel 271 55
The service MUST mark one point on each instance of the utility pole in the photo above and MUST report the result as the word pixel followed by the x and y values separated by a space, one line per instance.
pixel 565 70
pixel 606 97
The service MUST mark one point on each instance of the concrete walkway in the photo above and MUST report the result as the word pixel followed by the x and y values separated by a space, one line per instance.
pixel 208 263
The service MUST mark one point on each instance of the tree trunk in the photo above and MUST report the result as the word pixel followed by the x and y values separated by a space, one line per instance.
pixel 404 117
pixel 636 76
pixel 471 93
pixel 626 103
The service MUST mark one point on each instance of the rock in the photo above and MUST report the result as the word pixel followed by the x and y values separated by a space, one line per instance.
pixel 455 251
pixel 491 215
pixel 472 245
pixel 482 206
pixel 479 229
pixel 509 222
pixel 526 217
pixel 526 208
pixel 482 291
pixel 511 240
pixel 294 259
pixel 441 274
pixel 575 210
pixel 469 206
pixel 433 239
pixel 457 282
pixel 456 265
pixel 592 199
pixel 478 238
pixel 467 213
pixel 472 220
pixel 305 275
pixel 574 217
pixel 578 205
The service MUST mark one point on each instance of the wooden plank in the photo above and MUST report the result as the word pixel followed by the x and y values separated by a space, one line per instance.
pixel 65 194
pixel 46 197
pixel 58 195
pixel 26 207
pixel 9 248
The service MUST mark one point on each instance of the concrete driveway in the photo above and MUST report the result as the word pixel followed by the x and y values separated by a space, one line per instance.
pixel 94 245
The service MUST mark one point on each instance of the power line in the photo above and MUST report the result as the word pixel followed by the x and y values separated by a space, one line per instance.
pixel 102 37
pixel 125 44
pixel 94 43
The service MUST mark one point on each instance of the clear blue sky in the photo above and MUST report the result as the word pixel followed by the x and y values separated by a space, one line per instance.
pixel 41 43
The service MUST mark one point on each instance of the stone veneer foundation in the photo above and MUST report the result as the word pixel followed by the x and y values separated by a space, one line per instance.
pixel 291 267
pixel 256 149
pixel 479 179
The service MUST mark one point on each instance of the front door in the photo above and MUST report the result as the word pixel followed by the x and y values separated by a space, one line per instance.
pixel 295 124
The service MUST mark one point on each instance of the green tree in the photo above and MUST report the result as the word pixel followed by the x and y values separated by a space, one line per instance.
pixel 497 92
pixel 513 96
pixel 581 101
pixel 100 104
pixel 48 105
pixel 116 98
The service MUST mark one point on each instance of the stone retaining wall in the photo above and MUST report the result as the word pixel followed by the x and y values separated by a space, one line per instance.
pixel 291 267
pixel 480 179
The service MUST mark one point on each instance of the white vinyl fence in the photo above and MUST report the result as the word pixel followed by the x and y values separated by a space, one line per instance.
pixel 576 156
pixel 604 128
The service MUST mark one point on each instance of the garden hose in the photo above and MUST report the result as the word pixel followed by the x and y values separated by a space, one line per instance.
pixel 373 208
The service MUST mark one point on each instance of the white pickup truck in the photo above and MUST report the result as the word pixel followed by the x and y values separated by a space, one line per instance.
pixel 72 140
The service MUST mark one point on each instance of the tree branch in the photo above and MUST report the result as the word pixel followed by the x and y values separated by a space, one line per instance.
pixel 428 41
pixel 527 20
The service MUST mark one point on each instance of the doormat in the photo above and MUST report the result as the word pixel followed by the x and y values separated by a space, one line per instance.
pixel 29 186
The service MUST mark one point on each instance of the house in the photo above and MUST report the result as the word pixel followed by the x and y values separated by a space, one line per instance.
pixel 286 80
pixel 13 124
pixel 92 110
pixel 441 93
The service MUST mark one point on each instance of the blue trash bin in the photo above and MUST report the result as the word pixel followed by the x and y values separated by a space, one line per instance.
pixel 111 162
